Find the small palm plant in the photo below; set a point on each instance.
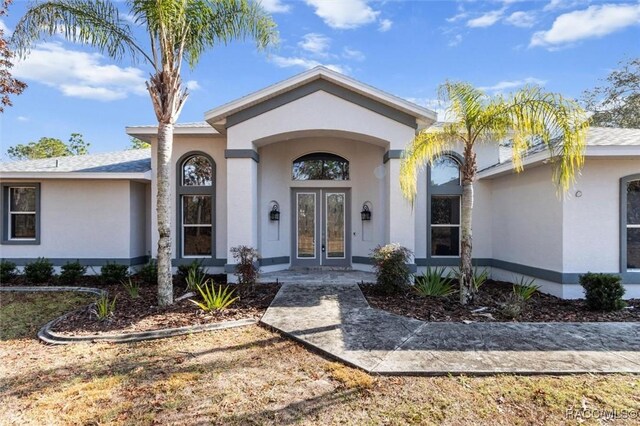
(196, 277)
(478, 279)
(132, 287)
(212, 299)
(104, 307)
(434, 283)
(525, 289)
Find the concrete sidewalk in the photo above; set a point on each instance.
(337, 320)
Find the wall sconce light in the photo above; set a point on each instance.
(365, 214)
(274, 214)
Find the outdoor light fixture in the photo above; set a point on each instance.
(274, 214)
(365, 214)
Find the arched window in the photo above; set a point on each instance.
(196, 197)
(445, 194)
(320, 166)
(630, 221)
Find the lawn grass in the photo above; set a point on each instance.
(22, 314)
(253, 376)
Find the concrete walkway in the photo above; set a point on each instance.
(337, 320)
(317, 276)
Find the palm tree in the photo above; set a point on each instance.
(178, 31)
(528, 117)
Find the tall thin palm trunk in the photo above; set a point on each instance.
(163, 211)
(467, 288)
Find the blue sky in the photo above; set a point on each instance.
(406, 48)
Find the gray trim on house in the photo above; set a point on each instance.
(365, 260)
(624, 182)
(93, 261)
(242, 153)
(394, 154)
(4, 226)
(326, 86)
(204, 261)
(281, 260)
(195, 190)
(532, 271)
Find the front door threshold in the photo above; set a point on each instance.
(320, 268)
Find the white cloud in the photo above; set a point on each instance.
(306, 63)
(353, 54)
(22, 118)
(457, 17)
(521, 19)
(595, 21)
(275, 6)
(80, 74)
(315, 43)
(344, 14)
(486, 20)
(456, 40)
(512, 84)
(193, 85)
(5, 29)
(561, 4)
(385, 25)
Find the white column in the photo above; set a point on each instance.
(400, 215)
(242, 206)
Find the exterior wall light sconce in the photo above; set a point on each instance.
(365, 214)
(274, 214)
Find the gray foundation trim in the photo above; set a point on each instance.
(624, 182)
(267, 261)
(532, 271)
(242, 153)
(96, 261)
(4, 228)
(362, 259)
(392, 154)
(326, 86)
(203, 261)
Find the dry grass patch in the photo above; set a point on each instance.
(253, 376)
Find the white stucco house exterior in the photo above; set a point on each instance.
(307, 172)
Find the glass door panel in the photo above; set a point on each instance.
(306, 225)
(335, 225)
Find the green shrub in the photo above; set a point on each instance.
(525, 289)
(39, 271)
(71, 272)
(603, 292)
(149, 272)
(183, 270)
(434, 283)
(479, 278)
(132, 287)
(246, 269)
(390, 264)
(104, 307)
(214, 300)
(112, 273)
(196, 277)
(8, 271)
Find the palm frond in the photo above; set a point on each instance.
(536, 116)
(466, 103)
(427, 146)
(94, 22)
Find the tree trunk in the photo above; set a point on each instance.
(163, 211)
(467, 288)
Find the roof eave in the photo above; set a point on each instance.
(217, 117)
(145, 176)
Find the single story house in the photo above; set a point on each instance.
(306, 171)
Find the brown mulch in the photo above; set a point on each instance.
(540, 308)
(143, 314)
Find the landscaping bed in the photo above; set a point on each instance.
(143, 313)
(539, 308)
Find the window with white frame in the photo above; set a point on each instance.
(21, 205)
(196, 192)
(445, 194)
(632, 224)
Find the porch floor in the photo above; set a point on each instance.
(317, 276)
